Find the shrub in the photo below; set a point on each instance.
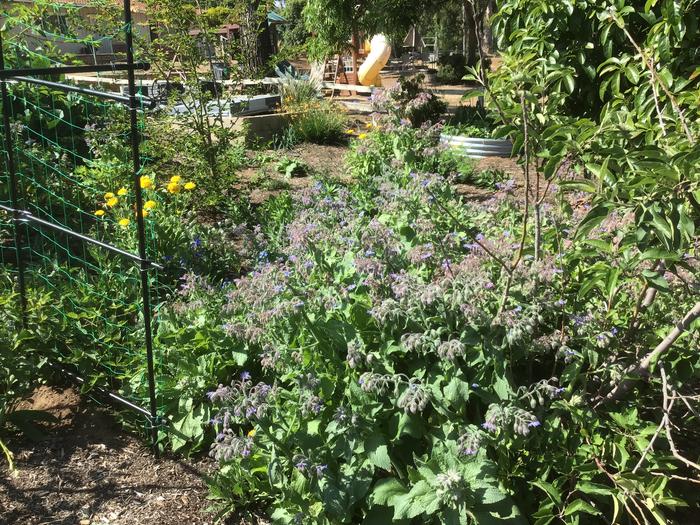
(408, 100)
(448, 75)
(320, 122)
(452, 68)
(376, 153)
(297, 89)
(21, 359)
(379, 341)
(399, 369)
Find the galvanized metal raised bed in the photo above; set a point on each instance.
(478, 148)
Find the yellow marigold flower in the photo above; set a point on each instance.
(100, 213)
(109, 195)
(251, 433)
(112, 202)
(122, 192)
(362, 136)
(124, 222)
(350, 132)
(190, 185)
(369, 125)
(149, 205)
(146, 182)
(176, 179)
(173, 187)
(144, 213)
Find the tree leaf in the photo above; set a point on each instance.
(581, 506)
(588, 487)
(549, 489)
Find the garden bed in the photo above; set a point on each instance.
(477, 147)
(377, 330)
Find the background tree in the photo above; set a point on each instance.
(602, 98)
(255, 45)
(294, 34)
(440, 20)
(337, 25)
(183, 54)
(583, 44)
(440, 23)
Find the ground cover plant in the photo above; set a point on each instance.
(408, 369)
(514, 393)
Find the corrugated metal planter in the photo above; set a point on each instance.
(478, 148)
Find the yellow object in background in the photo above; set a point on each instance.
(379, 54)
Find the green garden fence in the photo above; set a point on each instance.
(55, 239)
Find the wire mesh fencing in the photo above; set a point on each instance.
(75, 200)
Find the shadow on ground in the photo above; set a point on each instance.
(88, 470)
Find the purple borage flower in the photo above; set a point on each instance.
(490, 426)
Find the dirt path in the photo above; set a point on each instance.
(88, 471)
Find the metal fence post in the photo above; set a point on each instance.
(141, 227)
(14, 192)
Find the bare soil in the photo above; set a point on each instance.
(263, 182)
(89, 471)
(507, 165)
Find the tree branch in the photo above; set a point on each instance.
(668, 404)
(642, 367)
